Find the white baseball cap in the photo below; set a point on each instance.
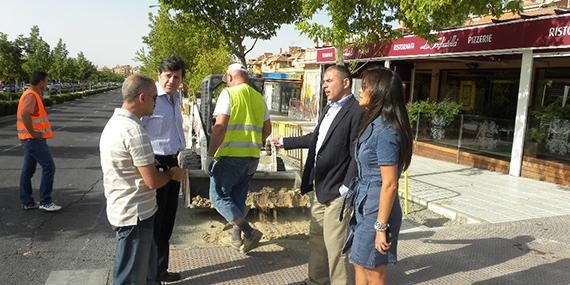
(236, 67)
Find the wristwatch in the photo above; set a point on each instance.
(381, 227)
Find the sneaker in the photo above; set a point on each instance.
(251, 242)
(51, 207)
(31, 206)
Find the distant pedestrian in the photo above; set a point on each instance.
(384, 149)
(242, 125)
(329, 170)
(130, 178)
(34, 129)
(164, 128)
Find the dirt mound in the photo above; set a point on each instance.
(268, 198)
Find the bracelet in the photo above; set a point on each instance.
(381, 227)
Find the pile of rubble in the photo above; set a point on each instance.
(266, 199)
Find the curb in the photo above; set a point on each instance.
(447, 212)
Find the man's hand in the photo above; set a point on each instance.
(177, 173)
(343, 190)
(276, 141)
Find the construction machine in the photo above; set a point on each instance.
(271, 187)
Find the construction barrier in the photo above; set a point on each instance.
(405, 190)
(282, 129)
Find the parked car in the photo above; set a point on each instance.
(54, 86)
(9, 88)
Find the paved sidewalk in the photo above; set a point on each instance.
(476, 195)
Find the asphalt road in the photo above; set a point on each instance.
(35, 245)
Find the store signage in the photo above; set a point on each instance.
(551, 33)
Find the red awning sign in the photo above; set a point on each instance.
(541, 33)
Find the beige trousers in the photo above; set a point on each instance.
(327, 264)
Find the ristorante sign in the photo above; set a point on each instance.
(536, 33)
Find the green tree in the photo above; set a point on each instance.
(211, 62)
(108, 76)
(192, 41)
(36, 52)
(236, 20)
(10, 60)
(71, 70)
(357, 22)
(84, 67)
(59, 61)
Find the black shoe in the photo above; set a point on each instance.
(169, 276)
(251, 242)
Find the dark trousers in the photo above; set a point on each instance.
(167, 200)
(135, 255)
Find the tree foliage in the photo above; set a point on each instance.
(236, 20)
(198, 45)
(21, 57)
(85, 69)
(357, 22)
(10, 59)
(36, 52)
(59, 61)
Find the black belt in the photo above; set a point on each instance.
(170, 160)
(166, 156)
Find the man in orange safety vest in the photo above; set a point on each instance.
(34, 129)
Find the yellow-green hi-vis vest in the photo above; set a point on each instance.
(244, 133)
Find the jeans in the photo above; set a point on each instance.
(135, 255)
(229, 184)
(36, 151)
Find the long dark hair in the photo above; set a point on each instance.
(386, 99)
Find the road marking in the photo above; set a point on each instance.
(10, 148)
(84, 277)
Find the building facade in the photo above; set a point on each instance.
(511, 79)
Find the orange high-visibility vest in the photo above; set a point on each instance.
(40, 121)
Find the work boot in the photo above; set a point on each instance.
(251, 242)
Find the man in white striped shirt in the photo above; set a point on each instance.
(130, 178)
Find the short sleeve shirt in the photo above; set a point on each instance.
(124, 146)
(379, 145)
(223, 105)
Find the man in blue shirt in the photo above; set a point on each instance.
(164, 128)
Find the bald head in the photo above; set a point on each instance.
(236, 77)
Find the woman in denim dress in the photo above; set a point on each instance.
(384, 149)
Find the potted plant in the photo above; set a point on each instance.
(535, 142)
(438, 114)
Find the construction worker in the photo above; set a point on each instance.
(242, 125)
(34, 129)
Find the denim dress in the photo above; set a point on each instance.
(379, 145)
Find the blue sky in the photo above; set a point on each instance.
(109, 32)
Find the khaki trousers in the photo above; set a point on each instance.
(327, 264)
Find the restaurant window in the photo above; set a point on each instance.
(548, 129)
(490, 93)
(422, 85)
